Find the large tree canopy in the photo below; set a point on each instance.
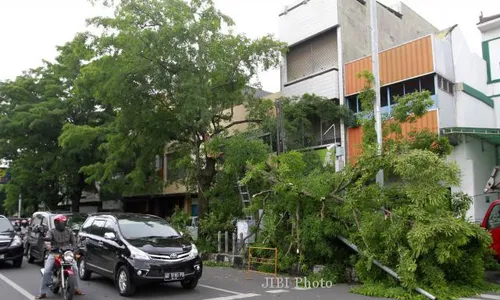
(34, 108)
(172, 70)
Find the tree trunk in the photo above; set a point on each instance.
(206, 180)
(77, 193)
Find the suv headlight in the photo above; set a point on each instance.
(194, 251)
(16, 241)
(138, 254)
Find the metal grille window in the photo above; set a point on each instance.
(446, 85)
(313, 56)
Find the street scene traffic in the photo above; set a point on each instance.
(233, 149)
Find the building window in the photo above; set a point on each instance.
(412, 86)
(352, 103)
(396, 90)
(312, 56)
(427, 84)
(384, 100)
(158, 162)
(446, 85)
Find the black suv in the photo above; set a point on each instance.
(137, 249)
(11, 245)
(41, 223)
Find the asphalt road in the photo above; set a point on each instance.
(216, 284)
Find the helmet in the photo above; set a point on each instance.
(60, 222)
(24, 223)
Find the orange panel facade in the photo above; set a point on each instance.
(355, 135)
(396, 64)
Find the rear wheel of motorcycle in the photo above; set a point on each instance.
(31, 259)
(123, 282)
(83, 272)
(69, 291)
(18, 262)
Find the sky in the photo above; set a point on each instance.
(31, 29)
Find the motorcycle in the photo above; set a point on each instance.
(63, 277)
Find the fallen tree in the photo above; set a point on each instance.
(412, 224)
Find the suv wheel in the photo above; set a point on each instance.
(123, 282)
(31, 259)
(83, 272)
(189, 284)
(18, 262)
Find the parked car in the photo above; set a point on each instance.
(41, 223)
(137, 249)
(11, 245)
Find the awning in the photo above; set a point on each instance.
(490, 135)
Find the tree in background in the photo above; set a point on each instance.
(34, 109)
(172, 70)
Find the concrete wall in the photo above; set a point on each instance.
(494, 47)
(354, 18)
(476, 160)
(447, 109)
(491, 34)
(325, 85)
(494, 90)
(471, 112)
(469, 67)
(307, 20)
(443, 59)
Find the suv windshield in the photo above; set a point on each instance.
(5, 226)
(146, 227)
(76, 221)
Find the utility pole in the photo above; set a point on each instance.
(375, 67)
(20, 205)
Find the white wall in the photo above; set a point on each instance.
(447, 109)
(495, 59)
(325, 85)
(469, 67)
(471, 112)
(443, 59)
(494, 89)
(492, 34)
(476, 160)
(307, 20)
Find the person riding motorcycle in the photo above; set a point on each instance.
(24, 226)
(60, 237)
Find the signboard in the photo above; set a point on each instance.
(243, 230)
(4, 176)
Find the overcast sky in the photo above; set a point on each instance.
(30, 29)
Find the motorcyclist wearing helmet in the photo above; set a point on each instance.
(60, 237)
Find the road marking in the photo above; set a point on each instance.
(240, 296)
(494, 297)
(277, 291)
(219, 289)
(16, 287)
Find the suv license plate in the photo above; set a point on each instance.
(174, 276)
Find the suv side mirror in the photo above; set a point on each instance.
(110, 236)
